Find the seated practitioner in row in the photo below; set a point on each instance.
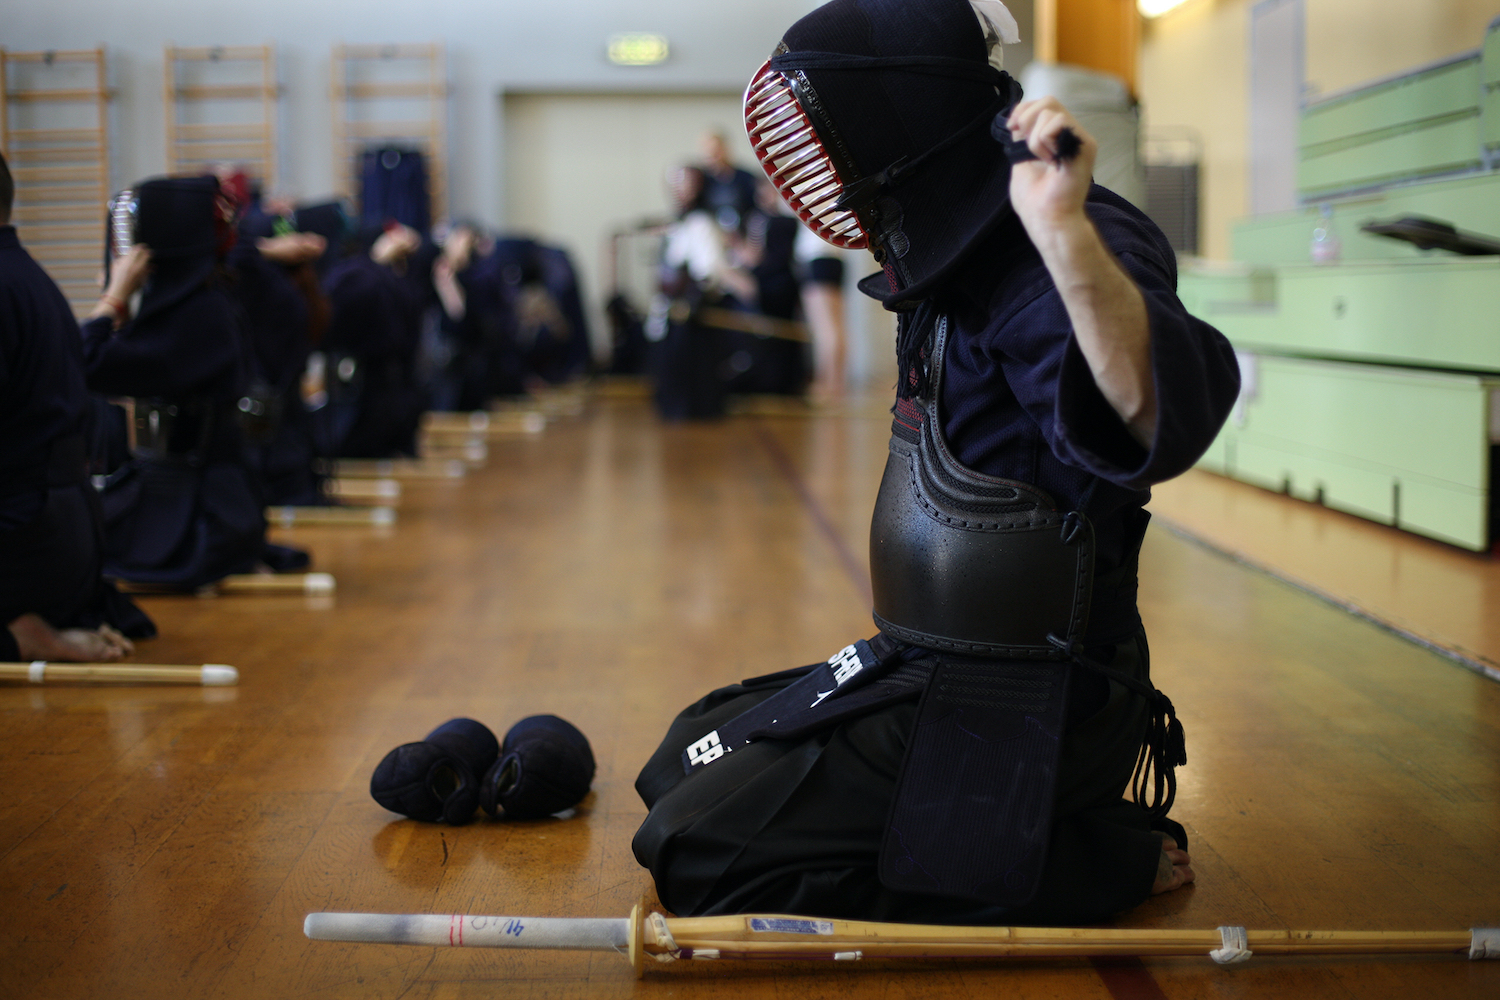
(511, 315)
(542, 330)
(277, 291)
(968, 764)
(469, 321)
(54, 603)
(185, 511)
(376, 294)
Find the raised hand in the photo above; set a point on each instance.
(1050, 191)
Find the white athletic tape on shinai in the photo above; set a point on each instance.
(37, 672)
(1484, 943)
(664, 937)
(1236, 947)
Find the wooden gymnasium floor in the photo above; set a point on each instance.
(166, 842)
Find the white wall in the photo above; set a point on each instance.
(493, 46)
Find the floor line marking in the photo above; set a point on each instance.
(783, 463)
(1464, 658)
(1127, 978)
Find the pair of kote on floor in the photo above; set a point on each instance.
(543, 766)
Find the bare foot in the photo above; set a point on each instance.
(1174, 870)
(38, 640)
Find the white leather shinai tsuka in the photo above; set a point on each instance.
(1236, 947)
(38, 671)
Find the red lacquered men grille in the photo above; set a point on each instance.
(794, 159)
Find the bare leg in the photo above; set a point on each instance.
(824, 307)
(38, 640)
(1174, 870)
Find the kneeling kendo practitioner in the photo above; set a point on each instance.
(277, 291)
(969, 763)
(54, 602)
(186, 510)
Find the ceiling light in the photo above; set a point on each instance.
(637, 49)
(1156, 8)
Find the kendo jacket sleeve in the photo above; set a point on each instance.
(1193, 367)
(192, 350)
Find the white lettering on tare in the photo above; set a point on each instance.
(706, 750)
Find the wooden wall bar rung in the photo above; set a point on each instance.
(28, 175)
(392, 130)
(355, 129)
(207, 151)
(55, 56)
(79, 276)
(219, 53)
(60, 233)
(53, 134)
(31, 194)
(57, 213)
(54, 94)
(79, 292)
(225, 92)
(195, 78)
(427, 51)
(54, 154)
(367, 90)
(69, 254)
(59, 164)
(255, 130)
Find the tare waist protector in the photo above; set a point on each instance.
(971, 563)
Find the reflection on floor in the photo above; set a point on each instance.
(1433, 592)
(167, 842)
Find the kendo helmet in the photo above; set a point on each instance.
(872, 119)
(188, 222)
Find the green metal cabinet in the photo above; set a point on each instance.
(1432, 314)
(1471, 203)
(1398, 446)
(1420, 124)
(1372, 384)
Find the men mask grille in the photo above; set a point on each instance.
(795, 160)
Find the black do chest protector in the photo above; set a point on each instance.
(991, 569)
(970, 563)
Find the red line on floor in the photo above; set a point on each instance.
(783, 463)
(1127, 979)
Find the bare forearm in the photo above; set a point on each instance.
(127, 275)
(1108, 316)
